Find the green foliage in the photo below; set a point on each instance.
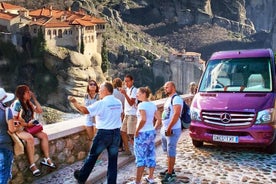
(10, 59)
(105, 61)
(38, 45)
(82, 46)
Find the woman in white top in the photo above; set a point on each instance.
(91, 97)
(144, 138)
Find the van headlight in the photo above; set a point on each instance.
(264, 116)
(195, 114)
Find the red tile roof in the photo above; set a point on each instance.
(7, 16)
(7, 6)
(64, 18)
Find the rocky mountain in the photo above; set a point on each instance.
(140, 36)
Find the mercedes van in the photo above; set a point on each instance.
(235, 102)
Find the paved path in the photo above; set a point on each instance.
(208, 165)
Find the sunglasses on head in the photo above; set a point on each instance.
(92, 84)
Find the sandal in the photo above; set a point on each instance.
(36, 172)
(46, 163)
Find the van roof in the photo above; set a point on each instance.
(250, 53)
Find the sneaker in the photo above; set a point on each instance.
(163, 173)
(149, 180)
(168, 178)
(76, 175)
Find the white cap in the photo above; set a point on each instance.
(5, 97)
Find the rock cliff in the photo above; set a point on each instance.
(72, 71)
(261, 13)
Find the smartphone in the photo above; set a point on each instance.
(166, 134)
(16, 123)
(35, 122)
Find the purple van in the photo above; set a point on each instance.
(235, 102)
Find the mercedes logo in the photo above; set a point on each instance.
(225, 118)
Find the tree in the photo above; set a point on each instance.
(105, 61)
(38, 45)
(82, 45)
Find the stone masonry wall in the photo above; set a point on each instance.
(63, 151)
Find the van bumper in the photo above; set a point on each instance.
(256, 135)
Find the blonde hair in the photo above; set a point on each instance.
(145, 90)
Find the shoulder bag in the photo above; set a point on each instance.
(18, 147)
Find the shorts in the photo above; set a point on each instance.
(144, 149)
(129, 124)
(169, 143)
(6, 160)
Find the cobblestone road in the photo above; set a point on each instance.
(208, 165)
(212, 165)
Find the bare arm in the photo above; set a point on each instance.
(130, 101)
(82, 109)
(157, 116)
(38, 108)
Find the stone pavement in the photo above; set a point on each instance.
(207, 165)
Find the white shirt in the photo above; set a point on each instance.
(107, 112)
(88, 101)
(168, 112)
(119, 95)
(150, 109)
(130, 110)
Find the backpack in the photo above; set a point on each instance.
(185, 115)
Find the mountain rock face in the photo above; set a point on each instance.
(262, 13)
(225, 13)
(72, 71)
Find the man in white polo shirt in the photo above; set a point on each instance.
(107, 112)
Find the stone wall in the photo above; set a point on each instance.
(68, 143)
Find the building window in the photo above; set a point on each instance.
(60, 33)
(65, 31)
(49, 32)
(55, 32)
(70, 32)
(35, 30)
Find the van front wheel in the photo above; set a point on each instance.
(197, 143)
(271, 149)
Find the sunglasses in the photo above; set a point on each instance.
(92, 84)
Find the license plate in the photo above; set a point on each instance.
(226, 138)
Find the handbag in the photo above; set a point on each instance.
(18, 147)
(34, 129)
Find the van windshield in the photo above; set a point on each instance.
(237, 75)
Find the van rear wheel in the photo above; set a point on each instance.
(197, 143)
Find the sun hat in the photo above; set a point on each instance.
(5, 97)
